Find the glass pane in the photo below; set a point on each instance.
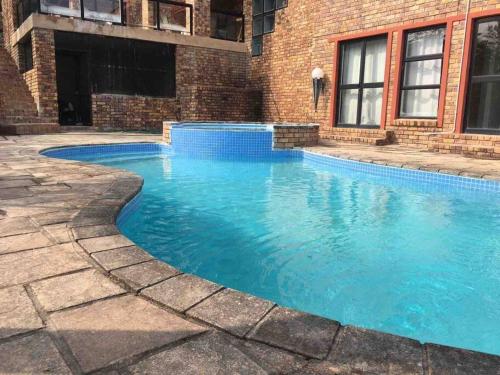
(258, 25)
(269, 23)
(348, 106)
(269, 5)
(425, 72)
(281, 4)
(487, 48)
(174, 18)
(61, 7)
(425, 42)
(257, 46)
(483, 108)
(371, 106)
(419, 103)
(258, 6)
(102, 10)
(375, 60)
(351, 62)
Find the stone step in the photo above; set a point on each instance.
(355, 139)
(469, 149)
(25, 129)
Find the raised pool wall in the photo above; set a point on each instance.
(284, 136)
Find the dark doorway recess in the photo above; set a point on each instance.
(73, 89)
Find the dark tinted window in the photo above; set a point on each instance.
(483, 111)
(124, 66)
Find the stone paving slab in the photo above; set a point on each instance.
(232, 311)
(181, 292)
(59, 232)
(56, 217)
(145, 274)
(296, 331)
(21, 242)
(444, 360)
(108, 331)
(35, 354)
(94, 231)
(93, 245)
(17, 313)
(359, 350)
(209, 354)
(21, 225)
(31, 265)
(122, 257)
(74, 289)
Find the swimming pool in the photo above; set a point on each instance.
(401, 251)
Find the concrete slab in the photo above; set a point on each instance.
(296, 331)
(209, 354)
(232, 311)
(26, 241)
(19, 225)
(17, 313)
(37, 264)
(109, 331)
(35, 354)
(450, 361)
(144, 274)
(70, 290)
(94, 231)
(364, 351)
(125, 256)
(93, 245)
(181, 292)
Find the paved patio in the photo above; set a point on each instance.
(78, 297)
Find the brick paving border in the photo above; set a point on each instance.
(78, 297)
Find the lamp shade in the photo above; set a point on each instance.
(318, 73)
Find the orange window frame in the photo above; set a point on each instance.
(467, 59)
(336, 69)
(396, 96)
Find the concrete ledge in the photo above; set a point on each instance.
(58, 23)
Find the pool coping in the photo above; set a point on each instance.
(277, 327)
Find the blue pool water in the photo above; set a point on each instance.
(408, 253)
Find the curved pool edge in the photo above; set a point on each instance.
(268, 324)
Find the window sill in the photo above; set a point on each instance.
(421, 123)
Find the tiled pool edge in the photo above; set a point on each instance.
(131, 192)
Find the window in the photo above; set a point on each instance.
(263, 21)
(361, 82)
(421, 79)
(25, 56)
(483, 111)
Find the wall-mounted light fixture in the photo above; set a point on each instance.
(318, 77)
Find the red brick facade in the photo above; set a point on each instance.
(306, 35)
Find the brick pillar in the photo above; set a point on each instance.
(201, 17)
(44, 89)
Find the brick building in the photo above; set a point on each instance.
(420, 73)
(423, 73)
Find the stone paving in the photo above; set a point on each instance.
(78, 297)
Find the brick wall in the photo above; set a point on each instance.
(131, 112)
(301, 42)
(290, 136)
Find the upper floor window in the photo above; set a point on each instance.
(421, 79)
(263, 21)
(361, 82)
(483, 111)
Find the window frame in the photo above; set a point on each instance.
(404, 60)
(263, 15)
(361, 85)
(470, 76)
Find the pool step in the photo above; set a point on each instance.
(375, 137)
